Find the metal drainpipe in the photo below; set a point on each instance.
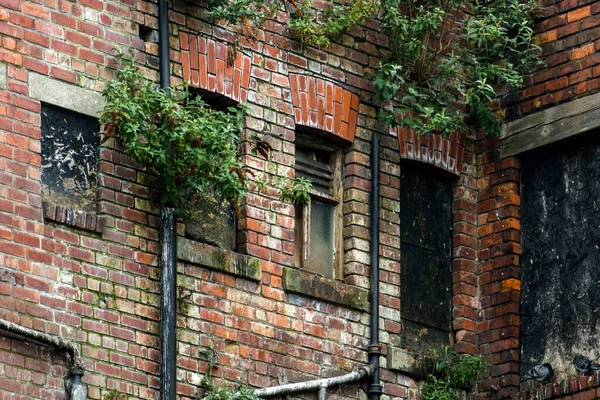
(375, 388)
(168, 244)
(318, 384)
(74, 387)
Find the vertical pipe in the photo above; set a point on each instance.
(323, 392)
(375, 388)
(77, 391)
(163, 43)
(168, 244)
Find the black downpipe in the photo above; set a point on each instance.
(168, 244)
(375, 388)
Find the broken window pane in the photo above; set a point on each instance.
(69, 157)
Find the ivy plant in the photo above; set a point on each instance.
(451, 372)
(189, 146)
(448, 54)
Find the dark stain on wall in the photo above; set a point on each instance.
(560, 208)
(426, 240)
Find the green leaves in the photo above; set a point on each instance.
(444, 55)
(295, 190)
(313, 28)
(451, 372)
(148, 120)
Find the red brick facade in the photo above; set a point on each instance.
(94, 278)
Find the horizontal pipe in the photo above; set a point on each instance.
(317, 384)
(56, 342)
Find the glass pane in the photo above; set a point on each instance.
(322, 228)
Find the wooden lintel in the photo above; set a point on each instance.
(550, 125)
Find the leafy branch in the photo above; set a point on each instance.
(189, 146)
(448, 54)
(451, 372)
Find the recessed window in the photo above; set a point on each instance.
(318, 232)
(69, 158)
(425, 252)
(212, 218)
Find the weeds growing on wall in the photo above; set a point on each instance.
(210, 391)
(308, 25)
(451, 372)
(449, 58)
(448, 54)
(190, 147)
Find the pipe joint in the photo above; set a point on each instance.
(375, 349)
(375, 390)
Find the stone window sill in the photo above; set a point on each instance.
(75, 218)
(330, 290)
(411, 364)
(208, 256)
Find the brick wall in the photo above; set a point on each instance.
(568, 34)
(100, 287)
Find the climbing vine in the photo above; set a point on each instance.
(188, 145)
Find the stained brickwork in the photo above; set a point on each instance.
(96, 281)
(568, 34)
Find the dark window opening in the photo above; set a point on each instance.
(215, 101)
(69, 149)
(425, 248)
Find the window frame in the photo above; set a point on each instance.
(303, 219)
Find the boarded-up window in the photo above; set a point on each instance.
(426, 239)
(69, 157)
(560, 222)
(318, 223)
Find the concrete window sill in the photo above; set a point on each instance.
(330, 290)
(208, 256)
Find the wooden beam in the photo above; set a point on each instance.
(550, 125)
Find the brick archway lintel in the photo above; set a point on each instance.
(445, 152)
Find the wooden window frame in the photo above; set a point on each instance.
(303, 223)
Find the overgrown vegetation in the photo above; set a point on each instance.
(449, 58)
(451, 372)
(189, 146)
(308, 25)
(448, 53)
(210, 391)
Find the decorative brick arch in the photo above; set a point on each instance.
(204, 64)
(441, 151)
(325, 106)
